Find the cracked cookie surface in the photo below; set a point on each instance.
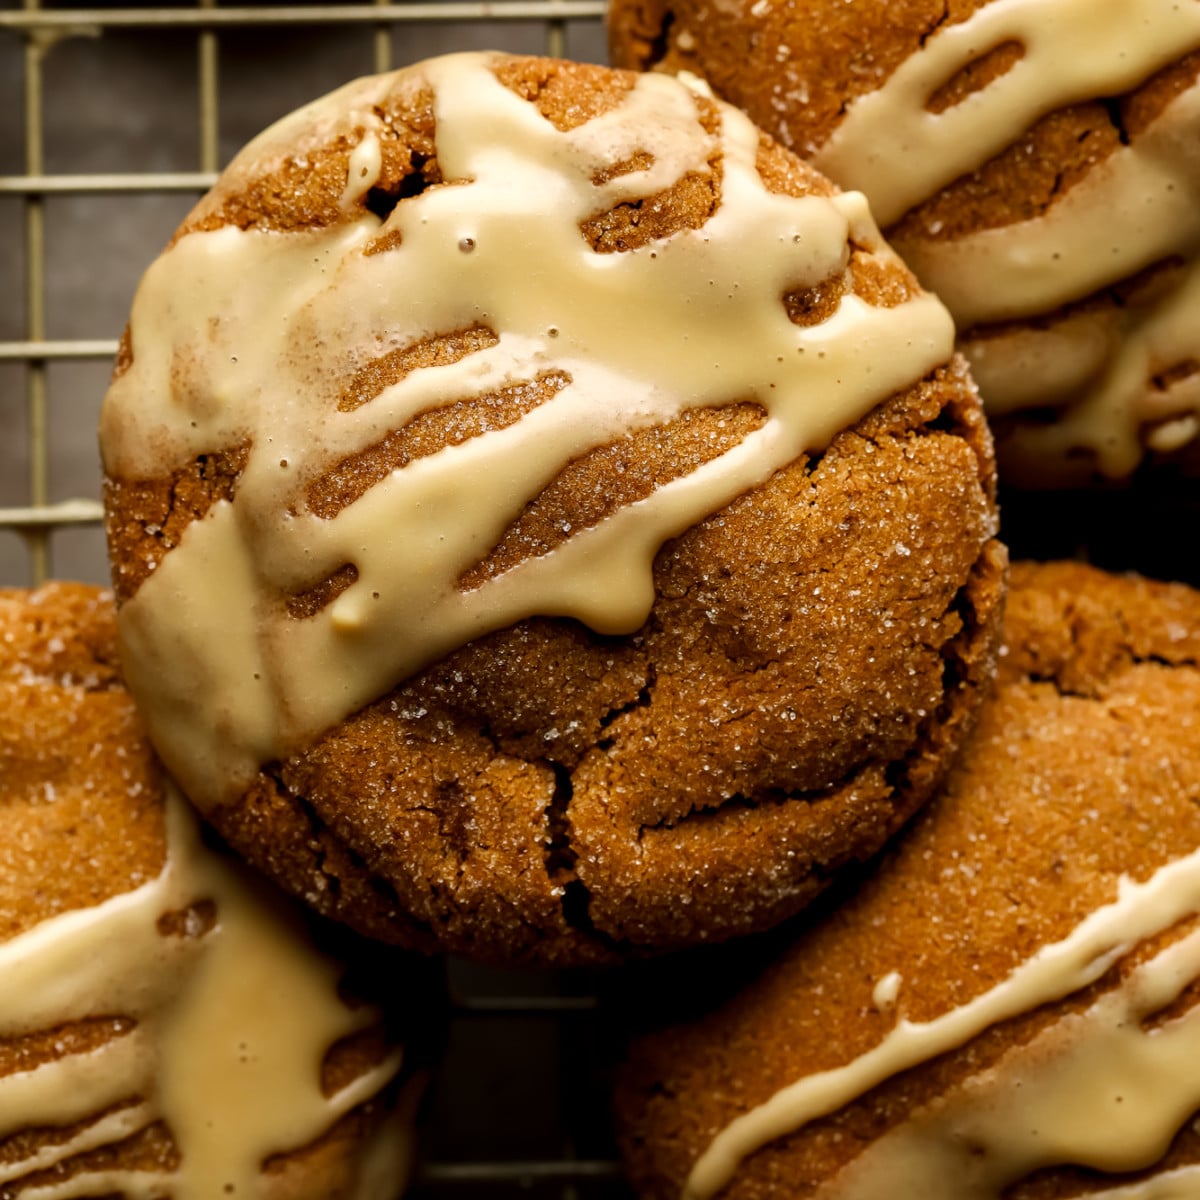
(815, 649)
(547, 795)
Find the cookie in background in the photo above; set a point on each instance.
(1037, 164)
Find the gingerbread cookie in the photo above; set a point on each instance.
(550, 524)
(1007, 1007)
(166, 1023)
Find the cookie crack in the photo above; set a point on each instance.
(660, 43)
(962, 670)
(560, 859)
(740, 801)
(382, 200)
(643, 699)
(333, 883)
(959, 671)
(1128, 657)
(1112, 107)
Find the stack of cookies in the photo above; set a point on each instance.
(549, 525)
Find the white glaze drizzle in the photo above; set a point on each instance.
(1097, 1089)
(1121, 404)
(886, 991)
(231, 1031)
(1058, 970)
(890, 146)
(1136, 208)
(362, 173)
(258, 324)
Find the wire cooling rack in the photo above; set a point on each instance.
(112, 122)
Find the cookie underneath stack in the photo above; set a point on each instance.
(1008, 1005)
(167, 1025)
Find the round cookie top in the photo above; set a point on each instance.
(164, 1021)
(1034, 161)
(406, 416)
(1002, 1008)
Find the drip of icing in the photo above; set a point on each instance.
(892, 147)
(1175, 433)
(362, 173)
(1140, 911)
(886, 991)
(1123, 399)
(232, 1027)
(1098, 1089)
(237, 334)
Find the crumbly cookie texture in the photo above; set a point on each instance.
(1001, 1008)
(1034, 163)
(164, 1022)
(602, 557)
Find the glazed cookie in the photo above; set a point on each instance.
(550, 525)
(166, 1025)
(1037, 163)
(1008, 1006)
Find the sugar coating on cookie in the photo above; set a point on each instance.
(1003, 1009)
(445, 361)
(164, 1021)
(1034, 161)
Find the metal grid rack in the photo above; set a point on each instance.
(112, 122)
